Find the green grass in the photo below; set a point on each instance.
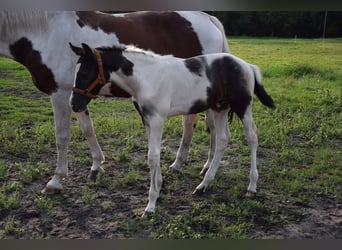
(299, 155)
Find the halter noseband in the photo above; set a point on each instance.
(99, 80)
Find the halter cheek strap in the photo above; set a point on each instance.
(99, 80)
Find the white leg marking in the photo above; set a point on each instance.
(189, 122)
(252, 138)
(88, 130)
(62, 114)
(222, 138)
(154, 127)
(209, 118)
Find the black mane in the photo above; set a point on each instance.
(114, 48)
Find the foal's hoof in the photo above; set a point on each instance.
(199, 191)
(92, 175)
(146, 214)
(51, 190)
(175, 167)
(250, 194)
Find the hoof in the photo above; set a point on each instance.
(53, 186)
(250, 194)
(147, 214)
(92, 175)
(175, 167)
(51, 190)
(199, 191)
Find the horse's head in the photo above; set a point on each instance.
(93, 72)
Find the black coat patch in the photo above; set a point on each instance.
(136, 105)
(228, 88)
(114, 60)
(145, 110)
(198, 106)
(194, 65)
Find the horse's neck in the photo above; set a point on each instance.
(146, 58)
(148, 70)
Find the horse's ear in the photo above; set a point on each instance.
(87, 50)
(77, 50)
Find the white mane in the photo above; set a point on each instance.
(145, 54)
(12, 22)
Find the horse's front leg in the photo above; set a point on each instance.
(96, 152)
(222, 138)
(154, 127)
(189, 122)
(62, 114)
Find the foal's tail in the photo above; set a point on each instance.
(259, 90)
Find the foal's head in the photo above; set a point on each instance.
(93, 72)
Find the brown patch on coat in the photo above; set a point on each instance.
(161, 32)
(42, 76)
(118, 92)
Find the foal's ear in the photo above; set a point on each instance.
(77, 50)
(87, 50)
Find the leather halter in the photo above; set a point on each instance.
(99, 80)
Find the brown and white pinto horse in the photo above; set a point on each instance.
(164, 86)
(40, 41)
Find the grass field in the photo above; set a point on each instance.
(299, 160)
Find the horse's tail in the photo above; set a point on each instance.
(219, 25)
(259, 90)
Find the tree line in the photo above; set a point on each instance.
(281, 23)
(287, 24)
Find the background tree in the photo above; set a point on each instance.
(280, 23)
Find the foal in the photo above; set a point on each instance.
(164, 86)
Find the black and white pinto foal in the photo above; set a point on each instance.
(164, 86)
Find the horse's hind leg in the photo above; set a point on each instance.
(62, 114)
(222, 138)
(189, 122)
(209, 118)
(96, 152)
(252, 138)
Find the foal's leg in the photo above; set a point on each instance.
(222, 138)
(252, 138)
(96, 152)
(62, 114)
(154, 126)
(189, 122)
(209, 118)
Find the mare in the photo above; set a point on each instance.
(40, 41)
(164, 86)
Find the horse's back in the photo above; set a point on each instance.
(209, 29)
(162, 31)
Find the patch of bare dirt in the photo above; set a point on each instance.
(73, 218)
(321, 221)
(70, 217)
